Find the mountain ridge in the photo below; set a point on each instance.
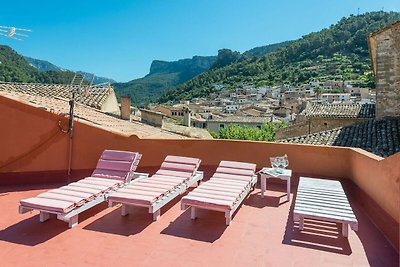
(44, 65)
(338, 52)
(163, 75)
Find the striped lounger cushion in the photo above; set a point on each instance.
(222, 192)
(112, 170)
(173, 173)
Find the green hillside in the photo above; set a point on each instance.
(14, 68)
(163, 75)
(339, 52)
(265, 49)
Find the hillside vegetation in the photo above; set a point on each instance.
(14, 68)
(339, 52)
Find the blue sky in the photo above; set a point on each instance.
(119, 39)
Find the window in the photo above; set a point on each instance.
(259, 126)
(222, 126)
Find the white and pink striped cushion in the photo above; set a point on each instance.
(230, 181)
(112, 170)
(114, 164)
(48, 204)
(174, 172)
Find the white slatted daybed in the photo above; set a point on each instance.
(323, 199)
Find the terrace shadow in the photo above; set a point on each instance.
(317, 234)
(275, 196)
(113, 223)
(32, 232)
(136, 221)
(208, 226)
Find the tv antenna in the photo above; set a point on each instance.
(13, 33)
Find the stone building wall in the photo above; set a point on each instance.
(388, 72)
(152, 117)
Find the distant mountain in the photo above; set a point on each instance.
(339, 52)
(162, 76)
(97, 79)
(43, 65)
(265, 49)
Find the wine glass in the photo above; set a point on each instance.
(274, 163)
(285, 161)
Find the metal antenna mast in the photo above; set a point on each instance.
(78, 80)
(13, 33)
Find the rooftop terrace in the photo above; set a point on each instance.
(262, 234)
(34, 158)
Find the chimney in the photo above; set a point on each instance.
(125, 107)
(186, 117)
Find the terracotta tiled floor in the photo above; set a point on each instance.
(262, 233)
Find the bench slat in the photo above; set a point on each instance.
(323, 204)
(324, 210)
(320, 196)
(324, 200)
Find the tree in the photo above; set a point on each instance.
(318, 91)
(234, 131)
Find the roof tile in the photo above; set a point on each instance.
(340, 110)
(381, 137)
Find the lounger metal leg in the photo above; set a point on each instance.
(228, 217)
(73, 221)
(301, 224)
(124, 210)
(44, 216)
(192, 213)
(156, 215)
(23, 210)
(263, 184)
(345, 230)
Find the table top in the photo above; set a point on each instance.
(273, 172)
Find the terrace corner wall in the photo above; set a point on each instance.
(379, 179)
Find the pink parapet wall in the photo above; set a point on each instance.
(32, 143)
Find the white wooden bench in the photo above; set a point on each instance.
(323, 199)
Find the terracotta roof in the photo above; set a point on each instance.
(340, 110)
(251, 112)
(381, 137)
(91, 116)
(93, 96)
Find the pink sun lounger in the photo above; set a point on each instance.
(225, 190)
(114, 170)
(174, 177)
